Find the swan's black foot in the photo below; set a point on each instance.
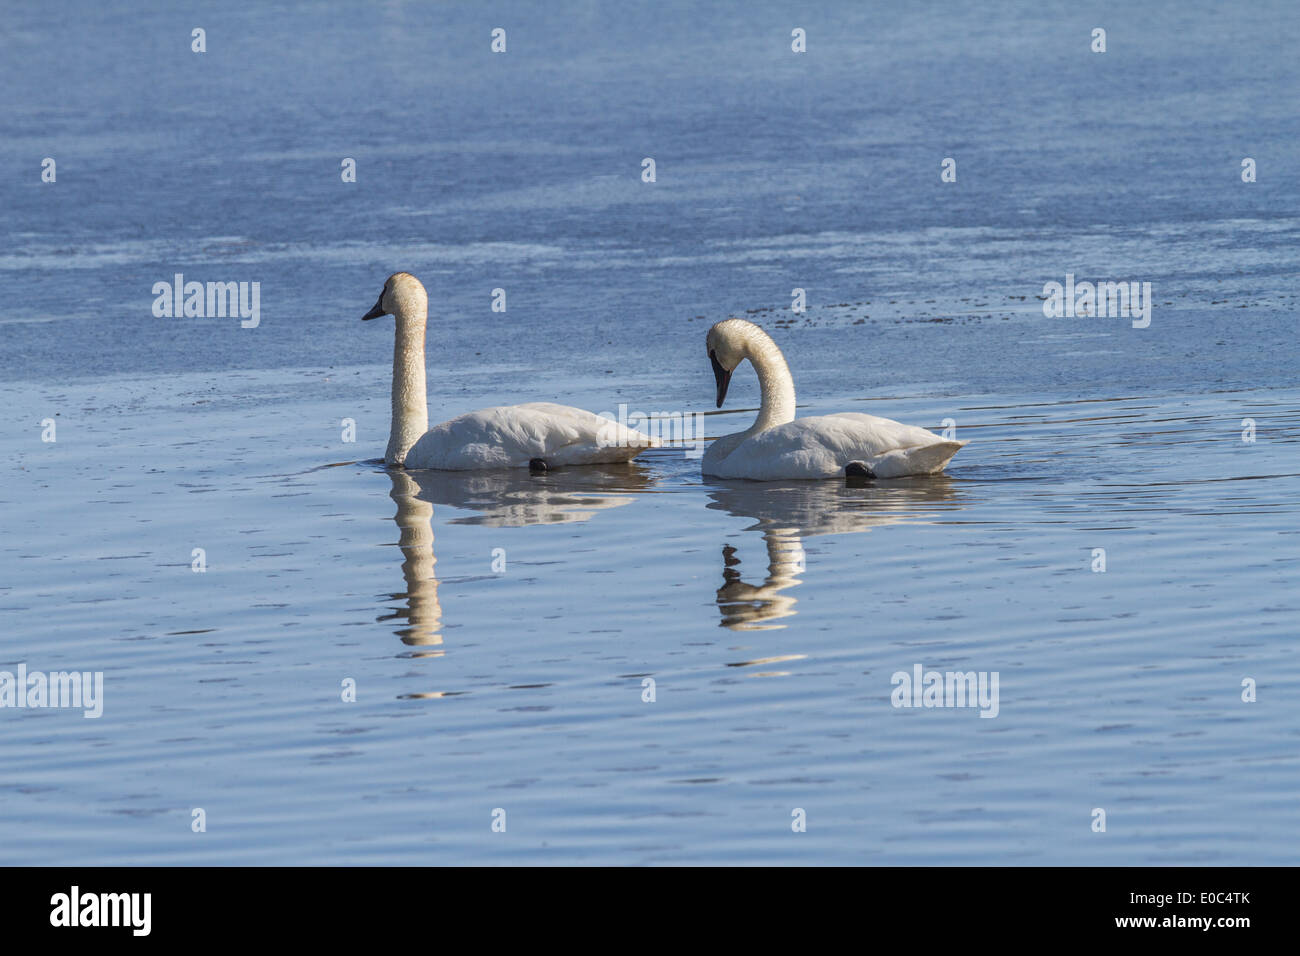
(856, 473)
(538, 466)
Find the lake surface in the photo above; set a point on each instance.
(499, 630)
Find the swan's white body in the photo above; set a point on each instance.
(506, 436)
(510, 436)
(823, 446)
(778, 446)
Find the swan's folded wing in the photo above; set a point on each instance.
(580, 426)
(509, 436)
(821, 447)
(874, 433)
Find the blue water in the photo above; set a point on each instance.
(499, 628)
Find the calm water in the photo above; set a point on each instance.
(499, 628)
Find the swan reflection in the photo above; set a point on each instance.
(421, 611)
(504, 499)
(787, 512)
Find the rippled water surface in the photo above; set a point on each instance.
(500, 630)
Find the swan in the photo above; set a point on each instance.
(778, 447)
(538, 435)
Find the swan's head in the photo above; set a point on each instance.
(729, 344)
(403, 294)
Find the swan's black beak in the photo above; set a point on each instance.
(722, 376)
(377, 311)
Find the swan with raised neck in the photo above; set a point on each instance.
(778, 446)
(536, 435)
(405, 299)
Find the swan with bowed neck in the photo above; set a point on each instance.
(778, 446)
(506, 436)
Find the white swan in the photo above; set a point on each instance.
(777, 446)
(538, 435)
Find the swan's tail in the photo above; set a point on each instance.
(918, 460)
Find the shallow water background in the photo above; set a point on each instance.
(771, 617)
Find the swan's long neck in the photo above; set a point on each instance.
(774, 382)
(410, 406)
